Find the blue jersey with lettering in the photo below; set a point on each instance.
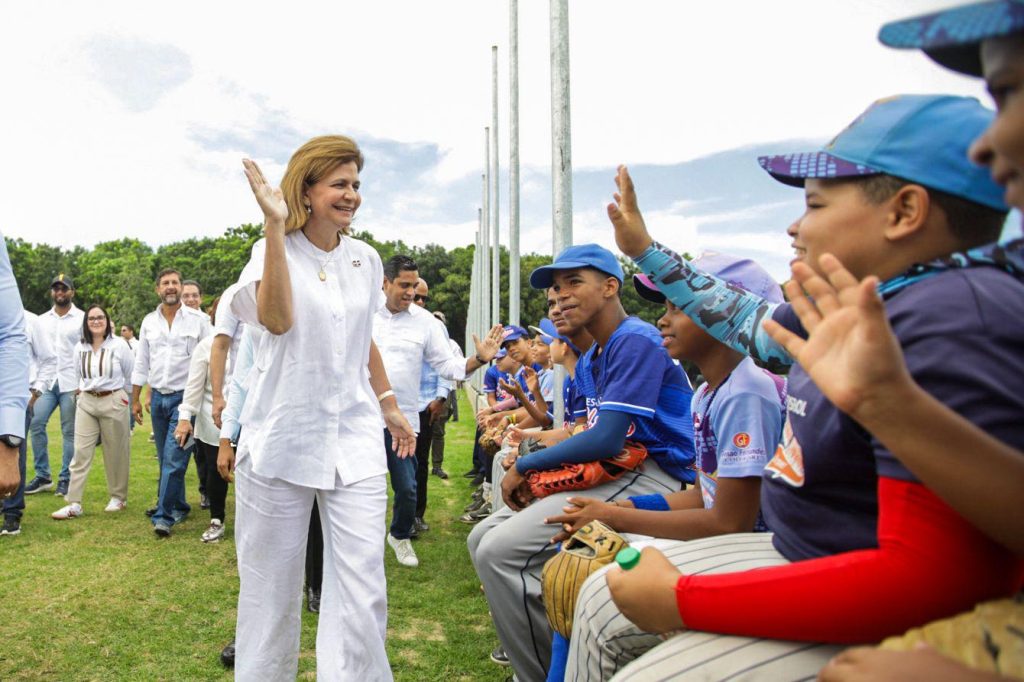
(634, 374)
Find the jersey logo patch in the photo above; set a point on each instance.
(788, 462)
(741, 440)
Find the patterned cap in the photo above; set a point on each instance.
(920, 138)
(953, 37)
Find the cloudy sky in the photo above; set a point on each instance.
(131, 118)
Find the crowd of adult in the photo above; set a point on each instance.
(841, 475)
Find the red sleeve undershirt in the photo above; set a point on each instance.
(930, 564)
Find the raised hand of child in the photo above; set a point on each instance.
(578, 512)
(850, 352)
(631, 234)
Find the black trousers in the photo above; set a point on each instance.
(215, 487)
(423, 439)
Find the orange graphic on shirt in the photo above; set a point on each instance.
(741, 440)
(788, 462)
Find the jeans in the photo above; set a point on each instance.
(403, 482)
(171, 504)
(44, 407)
(14, 506)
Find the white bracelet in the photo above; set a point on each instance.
(386, 394)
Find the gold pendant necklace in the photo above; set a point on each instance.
(323, 266)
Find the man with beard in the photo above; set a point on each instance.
(62, 325)
(167, 338)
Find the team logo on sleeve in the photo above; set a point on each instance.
(741, 440)
(788, 462)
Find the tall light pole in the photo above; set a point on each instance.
(513, 162)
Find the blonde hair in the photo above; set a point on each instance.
(308, 165)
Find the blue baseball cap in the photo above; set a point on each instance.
(513, 332)
(741, 272)
(547, 332)
(920, 138)
(575, 257)
(500, 354)
(953, 37)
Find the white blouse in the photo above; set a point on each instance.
(310, 415)
(106, 369)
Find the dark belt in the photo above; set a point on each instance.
(99, 394)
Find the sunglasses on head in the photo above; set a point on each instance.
(420, 297)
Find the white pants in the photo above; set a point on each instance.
(271, 526)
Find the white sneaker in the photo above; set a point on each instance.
(69, 511)
(404, 552)
(214, 533)
(115, 505)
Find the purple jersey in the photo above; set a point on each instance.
(962, 334)
(736, 427)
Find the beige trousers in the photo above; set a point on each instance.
(105, 417)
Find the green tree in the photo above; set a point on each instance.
(118, 276)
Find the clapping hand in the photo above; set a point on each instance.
(631, 234)
(532, 380)
(850, 352)
(270, 199)
(514, 389)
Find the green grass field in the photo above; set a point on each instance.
(100, 597)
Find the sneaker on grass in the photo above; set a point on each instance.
(12, 526)
(500, 657)
(404, 552)
(62, 488)
(162, 530)
(38, 485)
(214, 533)
(68, 511)
(115, 505)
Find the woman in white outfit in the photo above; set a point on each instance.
(311, 425)
(104, 365)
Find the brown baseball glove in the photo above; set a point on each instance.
(586, 475)
(590, 548)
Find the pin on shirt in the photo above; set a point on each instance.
(356, 263)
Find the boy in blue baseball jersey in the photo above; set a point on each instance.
(634, 391)
(737, 422)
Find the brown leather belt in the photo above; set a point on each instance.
(99, 394)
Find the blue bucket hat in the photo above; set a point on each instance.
(953, 37)
(575, 257)
(920, 138)
(741, 272)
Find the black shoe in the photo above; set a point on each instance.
(500, 657)
(440, 473)
(151, 511)
(470, 474)
(312, 600)
(414, 533)
(38, 485)
(62, 488)
(479, 480)
(12, 526)
(420, 525)
(227, 655)
(162, 530)
(204, 501)
(476, 504)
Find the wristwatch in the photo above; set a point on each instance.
(11, 441)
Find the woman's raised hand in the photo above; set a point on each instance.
(270, 199)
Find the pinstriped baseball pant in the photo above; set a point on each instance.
(606, 645)
(509, 550)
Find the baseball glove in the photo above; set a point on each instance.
(588, 474)
(490, 440)
(590, 548)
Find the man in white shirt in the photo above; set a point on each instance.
(128, 334)
(167, 338)
(42, 370)
(407, 336)
(62, 325)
